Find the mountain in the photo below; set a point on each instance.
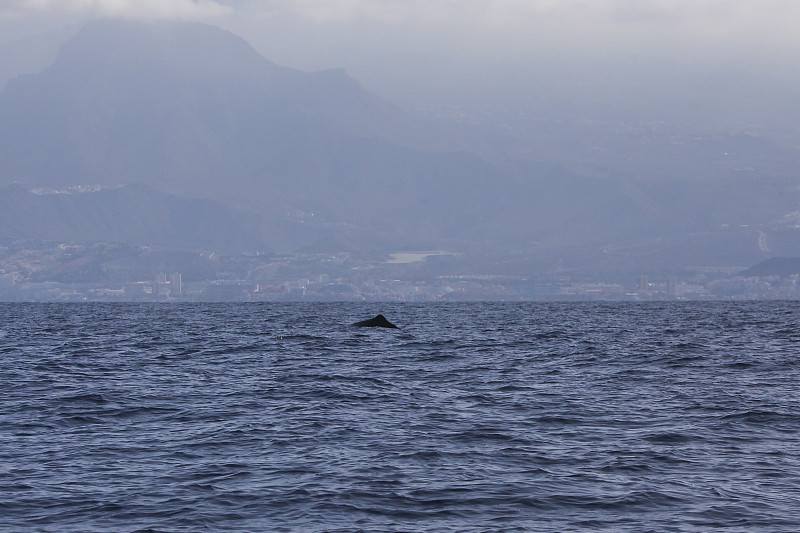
(132, 214)
(189, 138)
(32, 54)
(775, 266)
(134, 100)
(192, 110)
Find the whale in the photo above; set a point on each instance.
(377, 322)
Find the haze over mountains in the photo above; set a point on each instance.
(180, 134)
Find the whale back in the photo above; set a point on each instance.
(377, 322)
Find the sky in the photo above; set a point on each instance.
(429, 52)
(496, 23)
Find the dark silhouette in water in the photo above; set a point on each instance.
(377, 322)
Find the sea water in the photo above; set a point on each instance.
(471, 417)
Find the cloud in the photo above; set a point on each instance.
(143, 8)
(771, 20)
(728, 17)
(315, 34)
(517, 27)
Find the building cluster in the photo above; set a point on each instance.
(103, 272)
(172, 288)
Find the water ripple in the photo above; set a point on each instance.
(472, 418)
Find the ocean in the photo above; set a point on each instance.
(473, 417)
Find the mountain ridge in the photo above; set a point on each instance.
(133, 214)
(313, 160)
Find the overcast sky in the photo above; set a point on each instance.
(429, 48)
(765, 23)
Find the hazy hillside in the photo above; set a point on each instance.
(207, 129)
(133, 214)
(32, 54)
(192, 110)
(130, 100)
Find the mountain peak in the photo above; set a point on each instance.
(190, 48)
(193, 111)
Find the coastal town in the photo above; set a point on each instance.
(102, 272)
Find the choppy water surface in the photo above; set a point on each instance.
(472, 417)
